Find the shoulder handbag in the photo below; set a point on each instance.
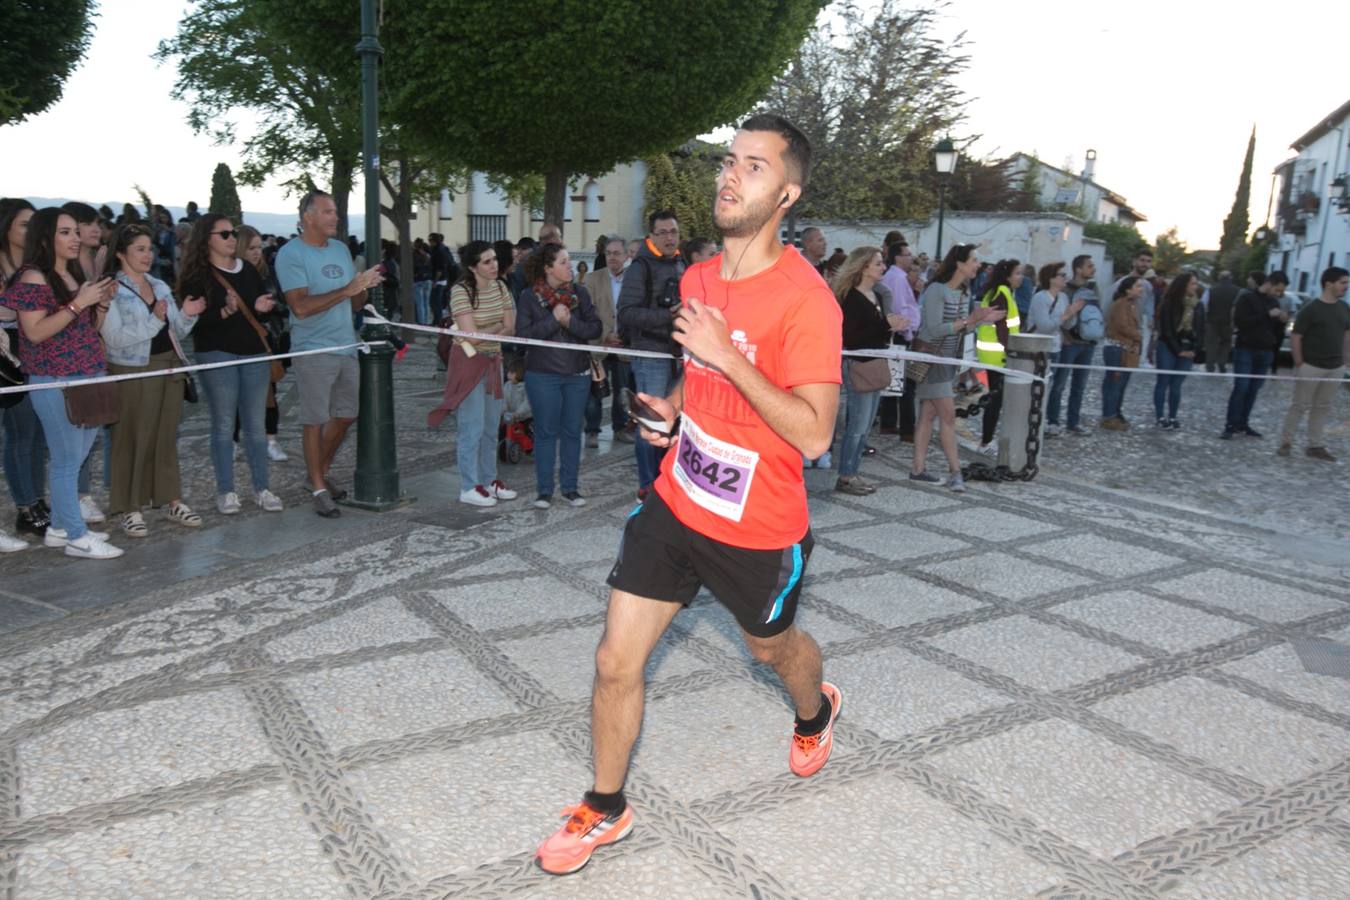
(599, 381)
(918, 369)
(92, 405)
(869, 374)
(11, 373)
(189, 383)
(278, 370)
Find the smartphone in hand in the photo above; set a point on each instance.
(642, 413)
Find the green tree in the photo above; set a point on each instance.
(493, 98)
(1122, 242)
(874, 89)
(295, 70)
(411, 177)
(225, 196)
(45, 41)
(684, 181)
(1233, 244)
(1172, 255)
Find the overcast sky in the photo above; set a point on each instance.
(1165, 92)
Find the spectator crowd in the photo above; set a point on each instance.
(88, 294)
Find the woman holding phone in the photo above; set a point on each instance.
(59, 318)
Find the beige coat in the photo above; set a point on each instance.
(602, 298)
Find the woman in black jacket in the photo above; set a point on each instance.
(1181, 332)
(553, 307)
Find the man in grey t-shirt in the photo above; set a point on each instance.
(323, 292)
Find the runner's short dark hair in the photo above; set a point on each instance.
(1276, 277)
(798, 155)
(1335, 273)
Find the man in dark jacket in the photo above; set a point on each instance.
(1259, 323)
(648, 302)
(1219, 336)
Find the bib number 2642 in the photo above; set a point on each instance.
(714, 474)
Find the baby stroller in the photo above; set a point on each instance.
(514, 440)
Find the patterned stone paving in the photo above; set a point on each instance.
(1055, 690)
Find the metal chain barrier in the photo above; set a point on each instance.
(981, 471)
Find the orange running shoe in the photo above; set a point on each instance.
(570, 847)
(809, 752)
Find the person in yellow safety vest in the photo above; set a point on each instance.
(991, 339)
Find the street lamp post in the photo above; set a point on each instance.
(944, 160)
(376, 481)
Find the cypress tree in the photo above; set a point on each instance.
(1233, 244)
(225, 196)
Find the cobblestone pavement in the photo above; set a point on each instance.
(1082, 686)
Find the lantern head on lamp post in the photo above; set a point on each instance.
(1336, 194)
(944, 160)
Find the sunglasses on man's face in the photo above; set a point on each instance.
(225, 235)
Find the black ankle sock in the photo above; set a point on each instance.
(807, 727)
(609, 804)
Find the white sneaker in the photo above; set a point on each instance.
(11, 544)
(90, 547)
(56, 537)
(990, 449)
(89, 510)
(477, 496)
(824, 462)
(275, 453)
(501, 491)
(228, 504)
(1052, 431)
(268, 501)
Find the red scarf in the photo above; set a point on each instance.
(565, 295)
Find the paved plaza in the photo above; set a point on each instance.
(1090, 685)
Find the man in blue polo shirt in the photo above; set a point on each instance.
(323, 291)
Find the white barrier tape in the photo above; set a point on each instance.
(1012, 374)
(362, 346)
(1188, 372)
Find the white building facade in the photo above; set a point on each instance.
(1312, 224)
(1060, 189)
(609, 205)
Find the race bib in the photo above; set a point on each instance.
(714, 474)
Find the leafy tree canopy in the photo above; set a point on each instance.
(874, 88)
(651, 75)
(1122, 242)
(684, 181)
(45, 41)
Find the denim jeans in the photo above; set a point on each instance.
(1113, 383)
(1243, 397)
(617, 372)
(86, 483)
(653, 378)
(25, 453)
(1074, 355)
(559, 404)
(438, 295)
(422, 302)
(69, 445)
(476, 422)
(860, 410)
(1167, 389)
(241, 391)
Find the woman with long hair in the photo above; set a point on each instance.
(25, 457)
(142, 332)
(59, 318)
(228, 331)
(991, 340)
(554, 308)
(479, 302)
(1120, 348)
(249, 247)
(865, 328)
(1181, 332)
(944, 323)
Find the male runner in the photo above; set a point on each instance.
(762, 338)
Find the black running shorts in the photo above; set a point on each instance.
(662, 559)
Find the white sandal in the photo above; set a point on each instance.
(183, 515)
(133, 525)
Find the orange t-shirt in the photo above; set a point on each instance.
(730, 476)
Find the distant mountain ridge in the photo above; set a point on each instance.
(266, 222)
